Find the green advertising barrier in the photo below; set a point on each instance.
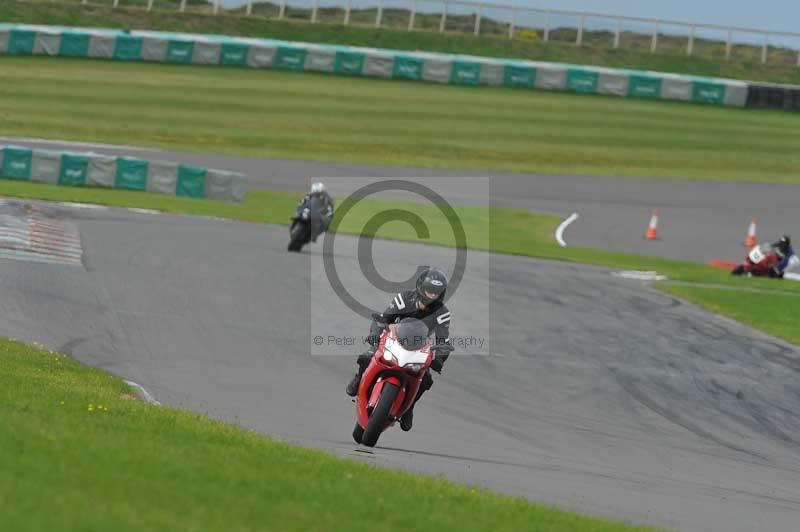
(20, 42)
(644, 86)
(97, 170)
(459, 70)
(179, 51)
(519, 76)
(290, 58)
(407, 67)
(349, 63)
(707, 92)
(131, 174)
(234, 54)
(465, 73)
(128, 48)
(191, 182)
(17, 163)
(73, 170)
(74, 45)
(580, 80)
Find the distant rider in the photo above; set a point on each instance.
(425, 303)
(783, 248)
(318, 194)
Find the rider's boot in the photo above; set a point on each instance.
(407, 420)
(363, 362)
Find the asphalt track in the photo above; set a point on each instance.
(700, 220)
(600, 394)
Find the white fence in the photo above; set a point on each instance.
(551, 25)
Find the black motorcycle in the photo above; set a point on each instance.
(307, 224)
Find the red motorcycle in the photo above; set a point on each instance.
(391, 381)
(760, 262)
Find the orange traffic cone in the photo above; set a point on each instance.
(652, 229)
(750, 239)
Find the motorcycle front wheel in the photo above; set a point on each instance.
(358, 433)
(298, 236)
(380, 415)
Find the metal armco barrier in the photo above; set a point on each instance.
(93, 169)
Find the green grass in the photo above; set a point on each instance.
(509, 231)
(357, 120)
(80, 454)
(596, 50)
(775, 314)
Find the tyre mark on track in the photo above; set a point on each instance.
(638, 395)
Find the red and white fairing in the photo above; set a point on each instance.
(392, 363)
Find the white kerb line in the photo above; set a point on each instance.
(145, 395)
(562, 227)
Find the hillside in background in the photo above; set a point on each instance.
(709, 58)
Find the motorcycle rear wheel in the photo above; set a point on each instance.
(380, 415)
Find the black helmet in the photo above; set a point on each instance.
(431, 285)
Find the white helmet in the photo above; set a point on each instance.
(317, 188)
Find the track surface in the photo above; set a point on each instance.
(700, 220)
(601, 395)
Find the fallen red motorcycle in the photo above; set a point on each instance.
(760, 262)
(391, 381)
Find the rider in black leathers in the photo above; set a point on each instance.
(425, 303)
(318, 198)
(783, 248)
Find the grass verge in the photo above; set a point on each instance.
(708, 58)
(357, 120)
(775, 314)
(79, 453)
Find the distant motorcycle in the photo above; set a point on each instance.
(391, 381)
(760, 262)
(307, 224)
